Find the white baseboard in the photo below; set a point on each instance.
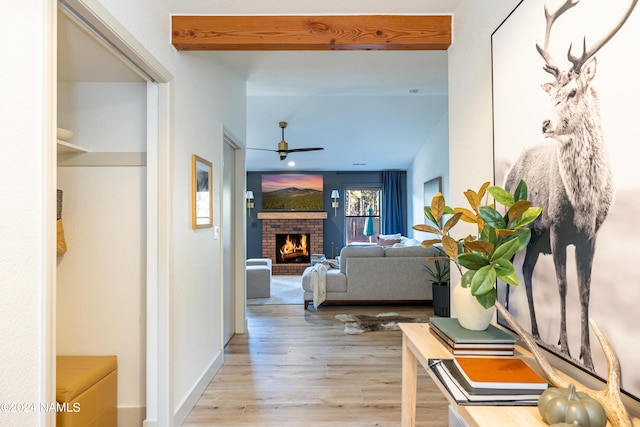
(131, 416)
(186, 406)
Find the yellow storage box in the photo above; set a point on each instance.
(87, 386)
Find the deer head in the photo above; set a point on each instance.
(572, 99)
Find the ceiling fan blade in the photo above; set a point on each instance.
(304, 149)
(283, 146)
(262, 149)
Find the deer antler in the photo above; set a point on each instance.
(579, 61)
(552, 376)
(550, 66)
(609, 397)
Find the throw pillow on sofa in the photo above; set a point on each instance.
(389, 239)
(390, 236)
(409, 242)
(388, 242)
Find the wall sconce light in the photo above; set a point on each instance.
(335, 196)
(250, 204)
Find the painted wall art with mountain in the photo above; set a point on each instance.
(292, 192)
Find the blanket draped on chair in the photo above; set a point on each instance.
(318, 282)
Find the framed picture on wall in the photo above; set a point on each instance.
(562, 123)
(430, 189)
(202, 193)
(292, 192)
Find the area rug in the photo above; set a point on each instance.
(285, 290)
(359, 323)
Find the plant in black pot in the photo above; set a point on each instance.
(438, 274)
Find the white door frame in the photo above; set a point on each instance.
(228, 222)
(239, 231)
(159, 367)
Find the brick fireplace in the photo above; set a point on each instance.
(274, 223)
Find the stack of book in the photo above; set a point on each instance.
(489, 380)
(460, 341)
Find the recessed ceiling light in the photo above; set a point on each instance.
(291, 164)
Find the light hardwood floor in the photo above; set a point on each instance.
(298, 368)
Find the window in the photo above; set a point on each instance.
(362, 215)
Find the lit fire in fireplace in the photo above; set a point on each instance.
(292, 250)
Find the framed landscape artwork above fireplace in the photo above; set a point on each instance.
(292, 192)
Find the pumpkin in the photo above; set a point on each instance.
(573, 424)
(566, 405)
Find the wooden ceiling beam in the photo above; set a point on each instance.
(366, 32)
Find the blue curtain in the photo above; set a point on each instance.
(392, 196)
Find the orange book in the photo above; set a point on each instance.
(505, 373)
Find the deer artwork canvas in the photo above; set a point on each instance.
(566, 121)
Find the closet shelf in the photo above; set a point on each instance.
(67, 147)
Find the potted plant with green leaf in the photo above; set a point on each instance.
(438, 274)
(486, 256)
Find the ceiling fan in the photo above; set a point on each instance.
(283, 146)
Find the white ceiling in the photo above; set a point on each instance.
(85, 58)
(369, 110)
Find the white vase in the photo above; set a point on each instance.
(471, 314)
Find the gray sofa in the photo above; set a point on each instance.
(376, 273)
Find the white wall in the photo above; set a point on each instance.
(197, 284)
(25, 163)
(101, 306)
(105, 116)
(470, 100)
(205, 96)
(470, 134)
(101, 278)
(431, 162)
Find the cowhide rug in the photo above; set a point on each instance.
(359, 323)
